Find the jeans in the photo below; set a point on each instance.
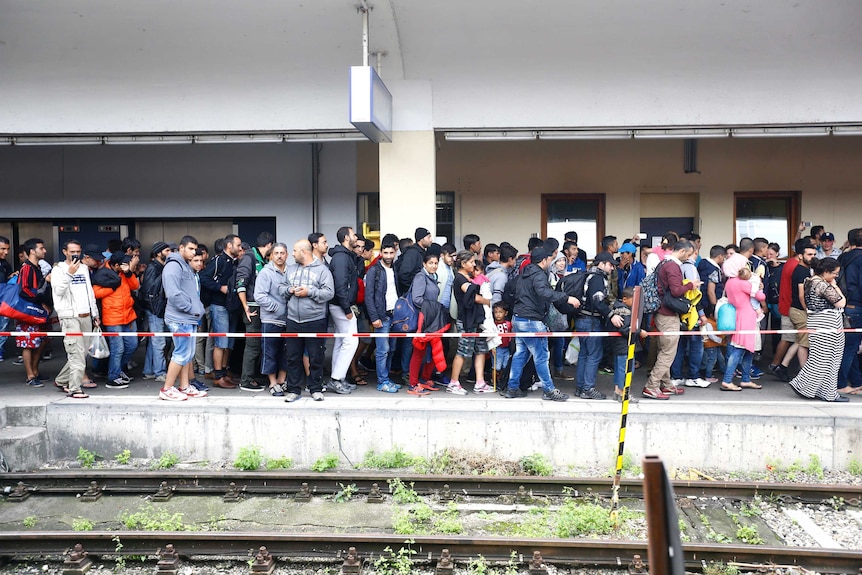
(154, 361)
(713, 356)
(383, 350)
(537, 347)
(4, 321)
(503, 355)
(690, 347)
(273, 355)
(850, 374)
(557, 347)
(738, 356)
(620, 371)
(591, 352)
(251, 353)
(122, 348)
(221, 321)
(184, 346)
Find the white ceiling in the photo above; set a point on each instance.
(222, 65)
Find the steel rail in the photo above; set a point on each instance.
(195, 482)
(22, 545)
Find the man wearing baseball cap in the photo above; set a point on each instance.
(631, 272)
(827, 248)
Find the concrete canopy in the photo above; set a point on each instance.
(156, 66)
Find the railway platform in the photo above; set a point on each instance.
(704, 428)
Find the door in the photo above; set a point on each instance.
(655, 228)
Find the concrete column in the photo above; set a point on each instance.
(408, 178)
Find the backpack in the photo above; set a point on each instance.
(405, 317)
(649, 291)
(152, 294)
(510, 291)
(574, 285)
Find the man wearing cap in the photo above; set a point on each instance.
(827, 248)
(534, 295)
(118, 316)
(76, 308)
(631, 273)
(153, 301)
(591, 317)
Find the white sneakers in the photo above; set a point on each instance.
(174, 394)
(456, 389)
(698, 382)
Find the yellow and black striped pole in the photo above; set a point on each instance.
(630, 359)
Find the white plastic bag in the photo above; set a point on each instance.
(98, 345)
(573, 351)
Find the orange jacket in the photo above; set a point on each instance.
(118, 307)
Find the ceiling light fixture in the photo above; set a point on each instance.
(682, 133)
(481, 136)
(780, 132)
(585, 134)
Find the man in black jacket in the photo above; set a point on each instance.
(153, 301)
(411, 260)
(533, 296)
(342, 263)
(220, 292)
(247, 268)
(380, 298)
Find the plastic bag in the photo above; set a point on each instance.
(573, 351)
(98, 345)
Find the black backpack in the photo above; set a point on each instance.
(574, 285)
(510, 292)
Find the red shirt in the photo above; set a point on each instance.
(785, 287)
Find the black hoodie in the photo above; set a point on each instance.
(851, 276)
(342, 263)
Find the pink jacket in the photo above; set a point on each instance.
(739, 294)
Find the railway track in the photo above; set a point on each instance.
(194, 482)
(21, 545)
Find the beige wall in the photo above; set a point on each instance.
(498, 184)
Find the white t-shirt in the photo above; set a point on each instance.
(391, 293)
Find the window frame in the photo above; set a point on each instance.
(793, 217)
(600, 211)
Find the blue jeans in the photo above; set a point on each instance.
(184, 347)
(619, 371)
(713, 356)
(3, 323)
(154, 361)
(221, 321)
(122, 348)
(591, 352)
(557, 347)
(738, 356)
(530, 346)
(690, 347)
(850, 373)
(502, 357)
(384, 348)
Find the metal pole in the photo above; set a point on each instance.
(364, 8)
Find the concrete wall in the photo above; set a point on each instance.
(498, 184)
(732, 436)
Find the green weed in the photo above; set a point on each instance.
(86, 458)
(815, 467)
(30, 522)
(536, 464)
(449, 521)
(325, 463)
(396, 563)
(346, 493)
(123, 457)
(854, 467)
(393, 459)
(478, 566)
(401, 492)
(249, 458)
(279, 463)
(748, 534)
(750, 510)
(149, 518)
(720, 569)
(437, 464)
(82, 524)
(166, 461)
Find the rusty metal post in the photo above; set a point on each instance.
(352, 564)
(665, 548)
(264, 563)
(537, 565)
(445, 565)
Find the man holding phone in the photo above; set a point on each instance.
(75, 303)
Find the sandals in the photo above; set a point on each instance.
(89, 384)
(418, 390)
(78, 395)
(60, 387)
(730, 387)
(750, 385)
(358, 379)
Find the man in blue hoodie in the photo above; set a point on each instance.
(183, 312)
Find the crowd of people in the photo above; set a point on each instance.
(485, 293)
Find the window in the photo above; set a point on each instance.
(446, 215)
(583, 213)
(368, 214)
(771, 215)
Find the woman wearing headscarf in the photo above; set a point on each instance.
(825, 303)
(739, 292)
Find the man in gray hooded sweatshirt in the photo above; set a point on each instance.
(308, 289)
(183, 313)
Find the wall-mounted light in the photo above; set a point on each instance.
(238, 138)
(780, 132)
(57, 140)
(682, 133)
(847, 130)
(325, 137)
(144, 140)
(585, 135)
(498, 136)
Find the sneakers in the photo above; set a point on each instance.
(120, 383)
(673, 390)
(34, 383)
(148, 376)
(192, 392)
(338, 386)
(278, 391)
(386, 387)
(697, 382)
(780, 372)
(170, 394)
(125, 377)
(756, 372)
(198, 384)
(441, 378)
(316, 396)
(561, 375)
(456, 389)
(429, 386)
(592, 394)
(131, 365)
(251, 386)
(418, 390)
(291, 397)
(606, 369)
(654, 394)
(536, 386)
(514, 393)
(677, 382)
(482, 388)
(18, 361)
(160, 378)
(557, 395)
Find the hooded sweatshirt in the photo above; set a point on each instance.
(318, 279)
(269, 287)
(181, 290)
(851, 270)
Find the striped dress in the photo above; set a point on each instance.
(819, 375)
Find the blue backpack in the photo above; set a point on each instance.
(649, 291)
(405, 317)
